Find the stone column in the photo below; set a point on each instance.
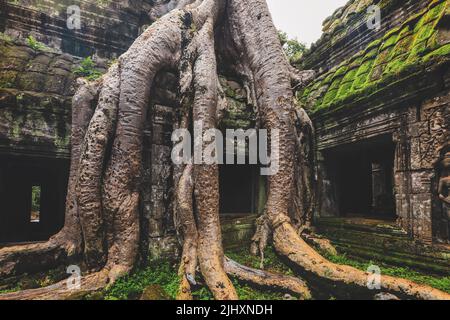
(156, 195)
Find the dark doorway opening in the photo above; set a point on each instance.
(363, 175)
(238, 189)
(32, 197)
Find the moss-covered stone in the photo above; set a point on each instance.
(239, 114)
(421, 40)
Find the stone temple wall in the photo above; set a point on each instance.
(36, 89)
(108, 27)
(395, 87)
(38, 80)
(37, 85)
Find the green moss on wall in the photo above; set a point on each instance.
(400, 52)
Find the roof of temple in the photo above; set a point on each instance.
(418, 45)
(346, 31)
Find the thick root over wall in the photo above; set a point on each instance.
(102, 218)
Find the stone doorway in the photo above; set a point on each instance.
(363, 176)
(32, 194)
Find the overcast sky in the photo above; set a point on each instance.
(302, 19)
